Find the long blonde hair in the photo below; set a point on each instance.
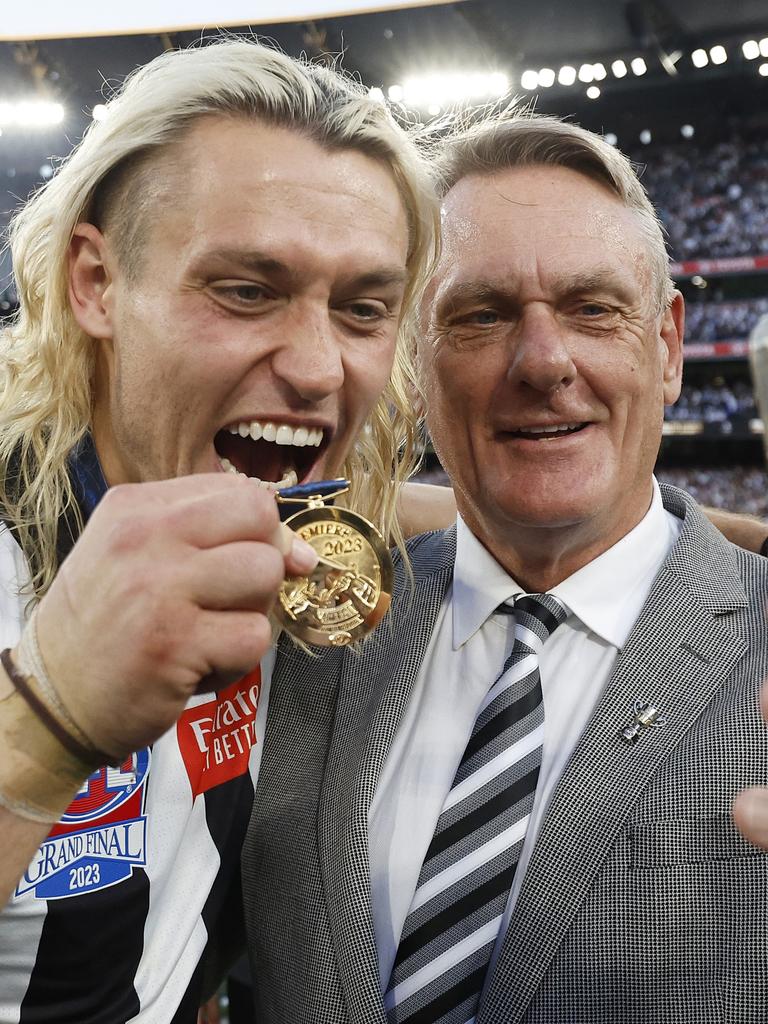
(47, 362)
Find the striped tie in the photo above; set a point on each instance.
(456, 913)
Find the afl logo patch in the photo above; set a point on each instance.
(100, 839)
(107, 790)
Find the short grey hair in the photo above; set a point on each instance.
(515, 138)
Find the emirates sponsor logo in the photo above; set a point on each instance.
(216, 738)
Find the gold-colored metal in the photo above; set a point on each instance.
(350, 590)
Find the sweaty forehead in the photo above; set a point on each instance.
(550, 216)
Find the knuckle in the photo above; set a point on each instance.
(262, 634)
(264, 506)
(128, 534)
(268, 566)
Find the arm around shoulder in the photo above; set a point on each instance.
(425, 507)
(747, 532)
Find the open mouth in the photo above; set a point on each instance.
(548, 432)
(275, 454)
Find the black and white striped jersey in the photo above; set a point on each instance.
(110, 921)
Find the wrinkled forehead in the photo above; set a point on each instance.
(518, 218)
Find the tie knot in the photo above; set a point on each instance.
(539, 613)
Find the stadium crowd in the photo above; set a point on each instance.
(713, 199)
(714, 402)
(722, 321)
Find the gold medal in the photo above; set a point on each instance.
(350, 590)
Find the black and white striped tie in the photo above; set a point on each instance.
(462, 891)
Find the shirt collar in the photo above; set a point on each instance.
(607, 594)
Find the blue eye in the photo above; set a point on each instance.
(485, 316)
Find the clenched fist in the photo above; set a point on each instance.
(170, 583)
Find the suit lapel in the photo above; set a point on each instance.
(374, 688)
(678, 655)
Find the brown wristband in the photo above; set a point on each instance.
(87, 755)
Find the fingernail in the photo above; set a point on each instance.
(303, 555)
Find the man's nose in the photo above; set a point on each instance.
(309, 357)
(540, 354)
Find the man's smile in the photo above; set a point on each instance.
(546, 431)
(274, 453)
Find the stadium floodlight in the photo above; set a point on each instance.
(30, 114)
(498, 83)
(546, 77)
(593, 92)
(751, 49)
(763, 44)
(645, 136)
(566, 75)
(586, 73)
(718, 54)
(376, 94)
(395, 93)
(529, 80)
(611, 139)
(687, 131)
(599, 72)
(619, 69)
(446, 88)
(763, 70)
(101, 111)
(699, 58)
(638, 65)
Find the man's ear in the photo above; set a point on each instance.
(672, 331)
(90, 277)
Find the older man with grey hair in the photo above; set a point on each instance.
(515, 804)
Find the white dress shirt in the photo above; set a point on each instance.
(466, 654)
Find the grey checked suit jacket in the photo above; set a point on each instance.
(641, 902)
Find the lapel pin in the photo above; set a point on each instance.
(646, 716)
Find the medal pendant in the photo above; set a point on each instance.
(350, 590)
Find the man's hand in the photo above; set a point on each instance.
(750, 809)
(170, 583)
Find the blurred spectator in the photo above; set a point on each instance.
(723, 321)
(714, 402)
(736, 488)
(713, 199)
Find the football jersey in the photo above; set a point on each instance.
(111, 918)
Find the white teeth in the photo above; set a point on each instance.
(289, 480)
(279, 433)
(549, 429)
